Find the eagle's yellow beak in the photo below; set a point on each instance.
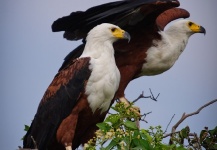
(196, 28)
(120, 34)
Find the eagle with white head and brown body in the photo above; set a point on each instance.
(79, 95)
(164, 53)
(151, 50)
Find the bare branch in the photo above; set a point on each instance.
(144, 115)
(142, 96)
(184, 116)
(169, 124)
(152, 96)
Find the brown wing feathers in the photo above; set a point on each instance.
(57, 103)
(170, 15)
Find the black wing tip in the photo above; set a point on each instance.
(66, 22)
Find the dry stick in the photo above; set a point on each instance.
(184, 116)
(169, 123)
(142, 96)
(144, 115)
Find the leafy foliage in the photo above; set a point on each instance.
(208, 138)
(119, 131)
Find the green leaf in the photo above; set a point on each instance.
(184, 132)
(141, 144)
(215, 146)
(126, 140)
(203, 135)
(130, 124)
(168, 147)
(136, 133)
(145, 135)
(181, 148)
(114, 118)
(213, 132)
(26, 127)
(103, 126)
(111, 145)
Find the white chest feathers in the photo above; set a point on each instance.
(163, 54)
(102, 84)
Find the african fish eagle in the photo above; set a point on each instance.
(151, 51)
(79, 94)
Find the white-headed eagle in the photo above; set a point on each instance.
(78, 95)
(151, 50)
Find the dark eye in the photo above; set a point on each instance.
(113, 29)
(190, 23)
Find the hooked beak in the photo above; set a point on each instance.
(127, 36)
(202, 30)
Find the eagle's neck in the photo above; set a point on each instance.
(98, 49)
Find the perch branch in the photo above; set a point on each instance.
(184, 116)
(142, 96)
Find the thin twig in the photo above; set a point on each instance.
(169, 124)
(144, 115)
(152, 96)
(142, 96)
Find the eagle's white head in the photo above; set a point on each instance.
(187, 27)
(100, 40)
(107, 32)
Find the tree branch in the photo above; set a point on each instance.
(184, 116)
(142, 96)
(143, 117)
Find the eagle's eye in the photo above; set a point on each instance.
(113, 29)
(190, 23)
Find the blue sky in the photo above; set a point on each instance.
(31, 56)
